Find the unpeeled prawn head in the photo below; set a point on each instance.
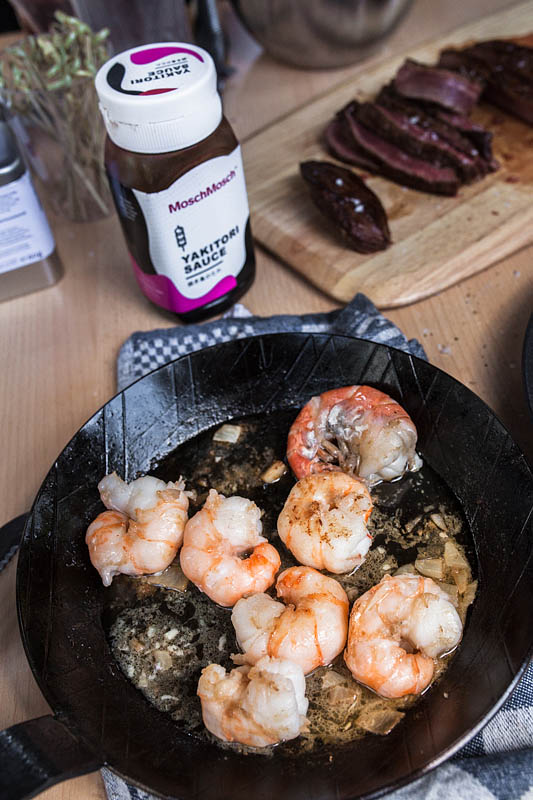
(214, 541)
(256, 706)
(141, 532)
(323, 521)
(357, 429)
(308, 628)
(396, 630)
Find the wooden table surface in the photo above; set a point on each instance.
(59, 346)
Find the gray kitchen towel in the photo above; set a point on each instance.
(497, 764)
(145, 351)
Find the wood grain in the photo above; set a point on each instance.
(437, 241)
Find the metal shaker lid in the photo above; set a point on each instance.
(12, 165)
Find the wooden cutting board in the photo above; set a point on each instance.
(437, 241)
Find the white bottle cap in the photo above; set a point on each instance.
(159, 97)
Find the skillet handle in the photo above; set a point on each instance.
(36, 754)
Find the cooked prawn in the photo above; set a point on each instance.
(214, 540)
(311, 630)
(364, 430)
(396, 630)
(256, 706)
(142, 531)
(323, 521)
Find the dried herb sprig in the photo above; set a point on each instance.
(48, 80)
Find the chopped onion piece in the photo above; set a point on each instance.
(274, 472)
(439, 521)
(470, 593)
(163, 660)
(136, 645)
(332, 678)
(406, 569)
(412, 523)
(451, 590)
(171, 578)
(227, 433)
(379, 720)
(430, 567)
(460, 577)
(454, 558)
(342, 694)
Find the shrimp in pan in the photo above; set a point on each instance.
(310, 630)
(141, 532)
(256, 706)
(396, 630)
(356, 429)
(323, 521)
(214, 541)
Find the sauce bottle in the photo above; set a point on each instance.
(176, 174)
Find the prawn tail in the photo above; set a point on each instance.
(423, 672)
(262, 565)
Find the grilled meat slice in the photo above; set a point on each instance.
(401, 129)
(447, 88)
(342, 145)
(506, 69)
(397, 165)
(457, 129)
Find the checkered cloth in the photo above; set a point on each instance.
(497, 764)
(143, 352)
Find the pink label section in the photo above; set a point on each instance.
(161, 291)
(155, 53)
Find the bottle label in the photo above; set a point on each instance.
(156, 69)
(25, 236)
(190, 246)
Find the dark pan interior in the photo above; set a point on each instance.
(61, 599)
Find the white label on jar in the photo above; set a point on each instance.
(25, 236)
(196, 227)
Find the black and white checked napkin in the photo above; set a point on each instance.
(497, 764)
(143, 352)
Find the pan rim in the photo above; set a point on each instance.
(323, 337)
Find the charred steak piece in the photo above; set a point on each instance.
(403, 130)
(501, 55)
(466, 65)
(342, 145)
(511, 94)
(505, 67)
(445, 87)
(458, 130)
(347, 201)
(396, 164)
(479, 137)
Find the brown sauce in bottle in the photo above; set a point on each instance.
(176, 175)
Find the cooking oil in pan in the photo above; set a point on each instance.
(162, 638)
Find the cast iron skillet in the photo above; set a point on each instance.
(527, 364)
(100, 718)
